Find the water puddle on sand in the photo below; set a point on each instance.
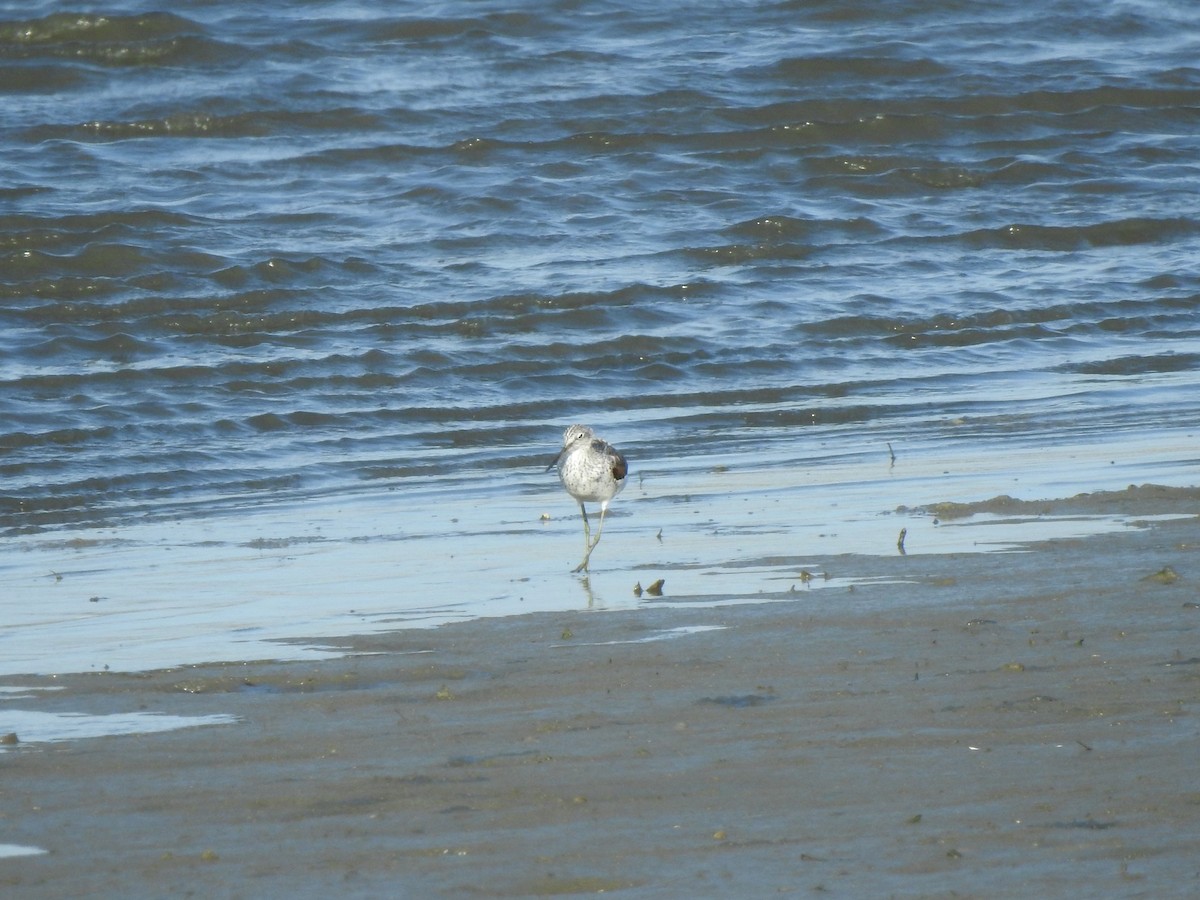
(663, 635)
(992, 532)
(33, 727)
(10, 692)
(10, 850)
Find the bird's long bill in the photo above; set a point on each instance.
(557, 459)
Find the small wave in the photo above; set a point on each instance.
(105, 260)
(740, 254)
(33, 79)
(24, 232)
(793, 228)
(1137, 365)
(120, 347)
(147, 493)
(112, 40)
(1119, 233)
(1122, 316)
(179, 125)
(59, 287)
(825, 68)
(436, 29)
(62, 437)
(94, 28)
(250, 124)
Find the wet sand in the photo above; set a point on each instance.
(976, 725)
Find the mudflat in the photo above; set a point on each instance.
(976, 725)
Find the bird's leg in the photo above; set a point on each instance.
(587, 540)
(591, 545)
(600, 528)
(587, 528)
(582, 567)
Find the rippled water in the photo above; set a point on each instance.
(254, 258)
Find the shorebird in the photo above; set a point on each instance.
(591, 470)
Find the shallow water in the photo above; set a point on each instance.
(295, 305)
(35, 727)
(10, 850)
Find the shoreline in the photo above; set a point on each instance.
(974, 725)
